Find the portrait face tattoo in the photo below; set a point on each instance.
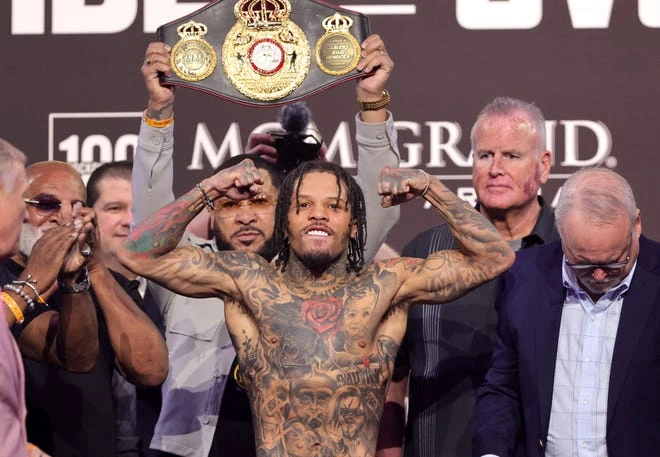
(310, 398)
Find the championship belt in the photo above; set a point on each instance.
(264, 52)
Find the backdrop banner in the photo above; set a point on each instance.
(73, 90)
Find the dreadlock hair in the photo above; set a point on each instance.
(355, 200)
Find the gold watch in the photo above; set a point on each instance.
(375, 105)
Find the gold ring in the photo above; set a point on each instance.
(148, 61)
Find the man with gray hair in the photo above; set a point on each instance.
(13, 433)
(576, 358)
(13, 182)
(446, 350)
(73, 413)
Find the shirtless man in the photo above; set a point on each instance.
(288, 319)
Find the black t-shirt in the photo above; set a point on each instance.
(71, 414)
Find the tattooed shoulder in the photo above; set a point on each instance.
(237, 261)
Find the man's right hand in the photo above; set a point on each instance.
(161, 98)
(48, 253)
(240, 182)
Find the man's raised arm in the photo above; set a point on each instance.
(149, 250)
(482, 253)
(153, 169)
(376, 139)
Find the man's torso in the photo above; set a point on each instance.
(316, 364)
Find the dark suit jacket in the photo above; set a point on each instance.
(513, 404)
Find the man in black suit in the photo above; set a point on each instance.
(576, 362)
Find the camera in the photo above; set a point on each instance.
(295, 145)
(295, 148)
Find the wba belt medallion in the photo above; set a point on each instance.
(337, 52)
(265, 55)
(192, 57)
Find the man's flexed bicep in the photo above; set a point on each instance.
(482, 253)
(442, 277)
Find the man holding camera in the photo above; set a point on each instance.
(199, 385)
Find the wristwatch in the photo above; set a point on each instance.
(375, 105)
(81, 285)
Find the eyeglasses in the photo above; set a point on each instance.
(607, 267)
(601, 266)
(261, 204)
(45, 205)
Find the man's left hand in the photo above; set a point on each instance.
(374, 58)
(400, 185)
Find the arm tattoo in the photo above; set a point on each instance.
(162, 231)
(481, 256)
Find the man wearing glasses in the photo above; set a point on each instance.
(577, 355)
(73, 413)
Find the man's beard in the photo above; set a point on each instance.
(267, 251)
(600, 287)
(28, 238)
(317, 261)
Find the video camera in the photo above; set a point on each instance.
(296, 144)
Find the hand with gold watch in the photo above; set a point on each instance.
(372, 97)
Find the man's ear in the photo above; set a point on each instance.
(544, 166)
(637, 227)
(354, 229)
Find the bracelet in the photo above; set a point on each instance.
(375, 105)
(238, 378)
(428, 183)
(207, 201)
(13, 307)
(157, 123)
(19, 291)
(82, 285)
(29, 282)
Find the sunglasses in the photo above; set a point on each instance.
(45, 205)
(261, 204)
